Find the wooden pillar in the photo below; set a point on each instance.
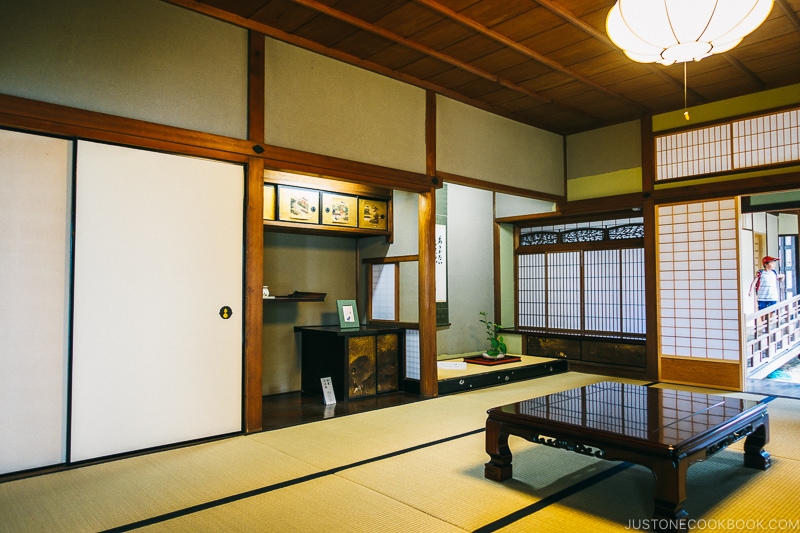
(428, 379)
(652, 361)
(253, 301)
(254, 240)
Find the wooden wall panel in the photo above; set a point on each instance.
(701, 372)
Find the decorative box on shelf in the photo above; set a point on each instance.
(306, 204)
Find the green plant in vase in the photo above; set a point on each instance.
(497, 348)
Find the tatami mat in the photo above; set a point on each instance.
(722, 495)
(329, 504)
(101, 496)
(414, 467)
(345, 440)
(448, 481)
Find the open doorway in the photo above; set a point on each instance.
(770, 228)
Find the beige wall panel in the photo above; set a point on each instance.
(507, 205)
(301, 263)
(787, 224)
(604, 150)
(35, 178)
(477, 144)
(320, 105)
(409, 292)
(141, 59)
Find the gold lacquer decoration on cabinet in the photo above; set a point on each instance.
(269, 202)
(387, 360)
(554, 347)
(617, 353)
(372, 214)
(339, 210)
(361, 355)
(298, 205)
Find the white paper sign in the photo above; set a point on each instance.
(441, 263)
(327, 391)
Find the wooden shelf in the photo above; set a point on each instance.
(319, 229)
(298, 296)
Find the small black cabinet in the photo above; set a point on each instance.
(361, 361)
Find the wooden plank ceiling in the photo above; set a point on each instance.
(546, 63)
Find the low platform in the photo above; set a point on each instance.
(478, 376)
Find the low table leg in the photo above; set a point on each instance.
(670, 493)
(499, 467)
(754, 454)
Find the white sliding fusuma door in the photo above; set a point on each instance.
(157, 357)
(35, 186)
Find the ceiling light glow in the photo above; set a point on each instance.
(670, 31)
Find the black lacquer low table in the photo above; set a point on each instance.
(664, 430)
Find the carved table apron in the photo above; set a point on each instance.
(662, 429)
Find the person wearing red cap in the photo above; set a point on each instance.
(766, 283)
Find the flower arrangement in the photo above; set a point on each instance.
(497, 347)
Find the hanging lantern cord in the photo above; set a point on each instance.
(685, 108)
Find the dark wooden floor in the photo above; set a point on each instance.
(293, 408)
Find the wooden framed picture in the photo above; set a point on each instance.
(298, 205)
(348, 314)
(372, 214)
(269, 202)
(339, 210)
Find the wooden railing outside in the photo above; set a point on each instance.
(772, 332)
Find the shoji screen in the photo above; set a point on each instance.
(35, 177)
(158, 255)
(698, 280)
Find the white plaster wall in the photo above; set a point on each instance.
(141, 59)
(320, 105)
(477, 144)
(470, 266)
(747, 270)
(787, 224)
(507, 205)
(507, 295)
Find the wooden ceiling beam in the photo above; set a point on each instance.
(790, 14)
(738, 65)
(559, 10)
(524, 50)
(399, 39)
(344, 17)
(269, 31)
